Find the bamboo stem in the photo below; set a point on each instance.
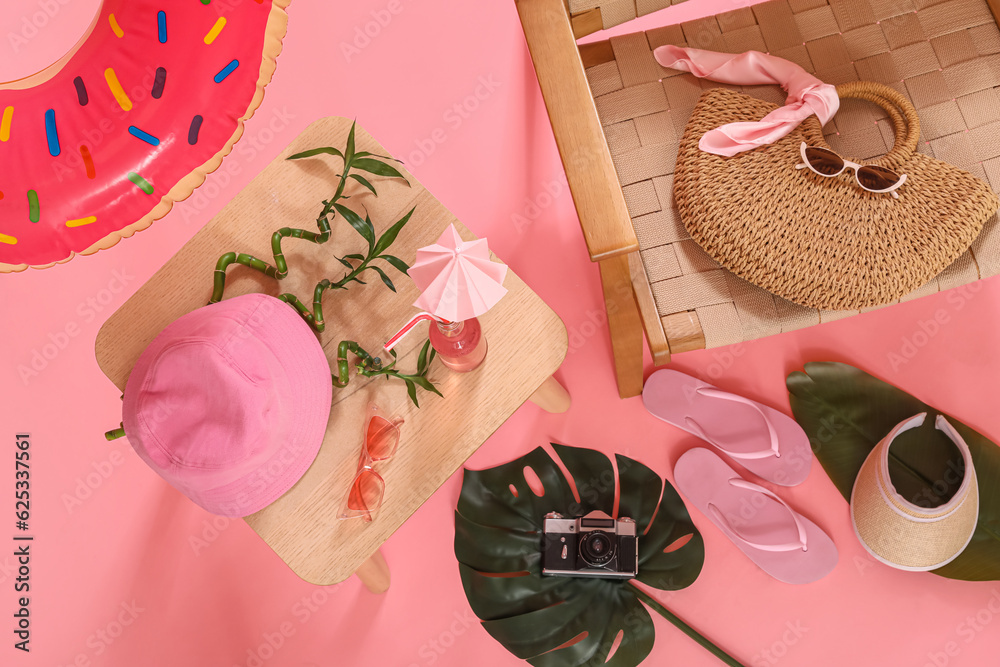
(685, 628)
(115, 434)
(343, 375)
(280, 268)
(369, 366)
(294, 302)
(315, 316)
(279, 257)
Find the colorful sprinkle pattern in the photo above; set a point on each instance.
(88, 162)
(117, 29)
(145, 136)
(116, 89)
(194, 130)
(226, 71)
(140, 182)
(158, 83)
(33, 208)
(133, 99)
(216, 29)
(5, 123)
(81, 91)
(80, 222)
(51, 133)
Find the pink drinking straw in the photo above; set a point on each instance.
(419, 317)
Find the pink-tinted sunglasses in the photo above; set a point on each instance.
(380, 437)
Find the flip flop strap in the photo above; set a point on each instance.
(771, 433)
(750, 486)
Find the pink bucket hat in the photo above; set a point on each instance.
(230, 403)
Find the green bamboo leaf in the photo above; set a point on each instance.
(426, 384)
(371, 228)
(498, 530)
(356, 256)
(350, 267)
(390, 234)
(360, 225)
(411, 389)
(325, 150)
(383, 157)
(363, 181)
(349, 155)
(385, 278)
(846, 412)
(422, 360)
(377, 167)
(396, 262)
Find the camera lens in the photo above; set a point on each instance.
(597, 548)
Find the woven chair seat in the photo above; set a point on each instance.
(616, 12)
(944, 57)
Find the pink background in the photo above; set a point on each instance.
(114, 544)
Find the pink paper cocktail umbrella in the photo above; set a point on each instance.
(456, 278)
(458, 283)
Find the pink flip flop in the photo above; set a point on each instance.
(766, 442)
(782, 542)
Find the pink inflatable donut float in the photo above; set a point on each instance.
(99, 145)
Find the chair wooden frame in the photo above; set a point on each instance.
(551, 34)
(551, 31)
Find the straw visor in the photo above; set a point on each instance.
(900, 533)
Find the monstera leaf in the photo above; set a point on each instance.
(571, 621)
(846, 412)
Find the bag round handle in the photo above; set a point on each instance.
(904, 118)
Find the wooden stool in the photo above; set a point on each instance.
(527, 342)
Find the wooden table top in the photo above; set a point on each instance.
(527, 342)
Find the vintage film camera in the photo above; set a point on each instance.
(594, 545)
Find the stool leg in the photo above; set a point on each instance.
(624, 323)
(374, 573)
(551, 396)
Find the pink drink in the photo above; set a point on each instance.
(461, 346)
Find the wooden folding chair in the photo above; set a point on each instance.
(618, 116)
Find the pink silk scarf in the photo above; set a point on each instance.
(806, 94)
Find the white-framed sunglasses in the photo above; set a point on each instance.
(869, 177)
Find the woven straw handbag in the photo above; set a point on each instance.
(824, 242)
